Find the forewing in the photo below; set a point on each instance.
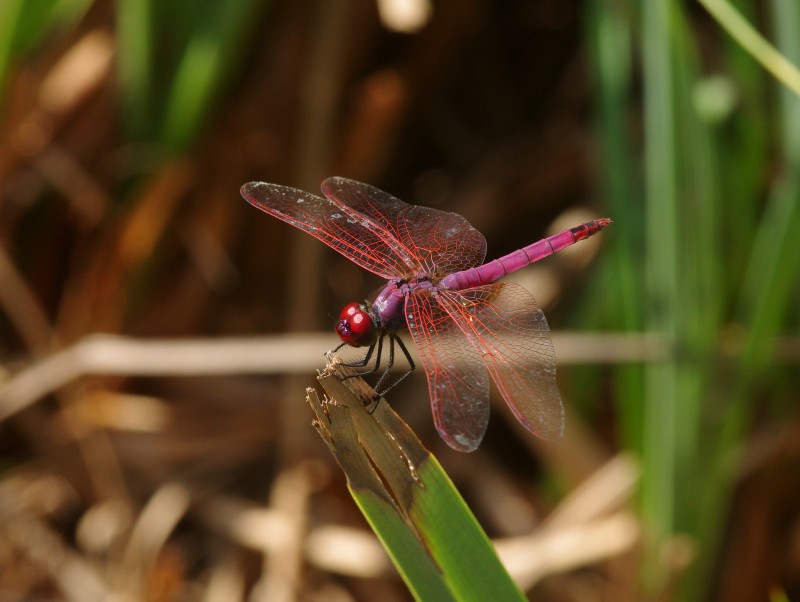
(442, 242)
(503, 321)
(360, 238)
(457, 379)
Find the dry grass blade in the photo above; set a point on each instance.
(590, 525)
(280, 354)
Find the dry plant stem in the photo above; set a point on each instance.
(530, 559)
(250, 525)
(393, 441)
(590, 525)
(347, 551)
(608, 489)
(226, 580)
(772, 59)
(76, 579)
(22, 307)
(107, 354)
(269, 531)
(280, 354)
(377, 451)
(79, 74)
(165, 508)
(28, 317)
(282, 579)
(26, 314)
(574, 458)
(65, 174)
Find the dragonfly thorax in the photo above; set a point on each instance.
(356, 326)
(388, 307)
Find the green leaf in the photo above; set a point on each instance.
(409, 501)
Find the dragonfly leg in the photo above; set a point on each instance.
(389, 365)
(411, 366)
(364, 361)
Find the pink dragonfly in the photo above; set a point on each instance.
(466, 326)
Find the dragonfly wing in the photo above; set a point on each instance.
(458, 382)
(360, 238)
(442, 242)
(503, 322)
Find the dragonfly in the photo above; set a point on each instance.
(467, 327)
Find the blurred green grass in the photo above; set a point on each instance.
(717, 274)
(175, 60)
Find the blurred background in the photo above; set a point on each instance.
(157, 333)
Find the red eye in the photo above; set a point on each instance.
(355, 326)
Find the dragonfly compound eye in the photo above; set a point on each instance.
(355, 326)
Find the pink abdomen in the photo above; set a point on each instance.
(489, 272)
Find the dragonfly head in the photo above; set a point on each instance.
(356, 327)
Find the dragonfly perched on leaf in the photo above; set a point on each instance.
(466, 326)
